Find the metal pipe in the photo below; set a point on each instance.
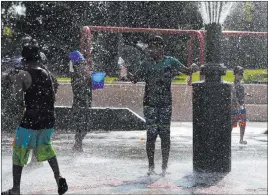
(189, 51)
(209, 12)
(128, 29)
(199, 33)
(220, 10)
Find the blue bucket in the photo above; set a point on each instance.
(98, 80)
(76, 57)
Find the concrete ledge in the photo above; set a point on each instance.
(128, 95)
(106, 119)
(257, 112)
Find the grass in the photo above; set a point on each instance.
(63, 79)
(181, 79)
(107, 79)
(229, 77)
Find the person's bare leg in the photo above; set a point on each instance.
(164, 133)
(150, 149)
(61, 182)
(79, 137)
(55, 168)
(17, 171)
(15, 190)
(150, 114)
(242, 133)
(165, 147)
(81, 125)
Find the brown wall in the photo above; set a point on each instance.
(131, 96)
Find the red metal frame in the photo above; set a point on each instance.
(86, 33)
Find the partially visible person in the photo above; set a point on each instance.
(10, 68)
(30, 41)
(10, 117)
(35, 97)
(82, 97)
(158, 70)
(14, 66)
(123, 69)
(239, 114)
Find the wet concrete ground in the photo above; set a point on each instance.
(116, 163)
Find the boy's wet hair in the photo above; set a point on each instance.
(238, 70)
(28, 40)
(156, 40)
(30, 53)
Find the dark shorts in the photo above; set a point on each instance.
(157, 120)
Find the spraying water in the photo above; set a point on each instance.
(215, 12)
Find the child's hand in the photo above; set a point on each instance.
(194, 67)
(189, 80)
(132, 77)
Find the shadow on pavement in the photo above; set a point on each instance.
(204, 180)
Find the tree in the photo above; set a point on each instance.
(57, 26)
(248, 52)
(248, 16)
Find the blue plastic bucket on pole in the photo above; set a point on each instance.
(98, 80)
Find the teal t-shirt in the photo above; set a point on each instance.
(158, 77)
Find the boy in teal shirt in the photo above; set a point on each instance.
(158, 71)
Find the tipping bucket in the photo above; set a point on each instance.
(98, 80)
(76, 57)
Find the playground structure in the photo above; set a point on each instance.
(120, 116)
(87, 37)
(257, 105)
(86, 43)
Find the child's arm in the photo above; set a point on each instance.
(189, 80)
(139, 74)
(240, 95)
(132, 77)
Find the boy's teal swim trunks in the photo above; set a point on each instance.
(28, 139)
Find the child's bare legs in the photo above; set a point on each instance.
(150, 114)
(55, 168)
(61, 182)
(242, 133)
(79, 136)
(165, 147)
(150, 147)
(17, 171)
(242, 125)
(164, 133)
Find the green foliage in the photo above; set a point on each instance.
(250, 76)
(248, 16)
(256, 76)
(248, 11)
(57, 24)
